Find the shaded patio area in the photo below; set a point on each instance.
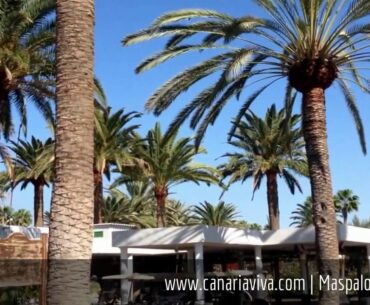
(201, 250)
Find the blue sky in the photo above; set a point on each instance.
(115, 68)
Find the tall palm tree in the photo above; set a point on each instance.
(168, 162)
(113, 138)
(302, 215)
(70, 229)
(346, 202)
(33, 163)
(27, 59)
(221, 214)
(310, 44)
(267, 147)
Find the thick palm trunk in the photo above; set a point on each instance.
(273, 200)
(72, 207)
(98, 196)
(38, 204)
(314, 131)
(161, 193)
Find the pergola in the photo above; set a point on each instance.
(196, 240)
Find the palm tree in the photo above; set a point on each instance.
(133, 208)
(177, 213)
(168, 162)
(346, 202)
(46, 218)
(19, 217)
(311, 44)
(268, 147)
(113, 138)
(5, 215)
(302, 215)
(364, 223)
(221, 214)
(33, 163)
(27, 59)
(70, 229)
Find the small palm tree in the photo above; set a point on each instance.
(27, 59)
(346, 202)
(47, 217)
(5, 215)
(364, 223)
(113, 138)
(33, 163)
(221, 214)
(268, 147)
(169, 161)
(177, 213)
(19, 217)
(302, 215)
(135, 207)
(255, 226)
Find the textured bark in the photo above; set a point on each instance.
(314, 131)
(273, 200)
(73, 195)
(38, 204)
(98, 196)
(161, 193)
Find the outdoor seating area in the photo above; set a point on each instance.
(215, 252)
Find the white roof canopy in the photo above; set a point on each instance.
(186, 236)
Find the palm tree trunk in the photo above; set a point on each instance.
(273, 200)
(345, 217)
(161, 193)
(38, 204)
(70, 237)
(314, 131)
(98, 196)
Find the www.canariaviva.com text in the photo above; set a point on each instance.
(240, 283)
(236, 284)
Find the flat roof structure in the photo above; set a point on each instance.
(187, 236)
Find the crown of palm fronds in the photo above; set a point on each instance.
(221, 214)
(32, 161)
(270, 144)
(132, 207)
(27, 59)
(309, 43)
(168, 161)
(302, 215)
(113, 138)
(346, 200)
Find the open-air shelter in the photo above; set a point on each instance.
(197, 241)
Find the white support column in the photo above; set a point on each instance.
(368, 257)
(304, 271)
(258, 259)
(190, 261)
(259, 270)
(199, 273)
(126, 269)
